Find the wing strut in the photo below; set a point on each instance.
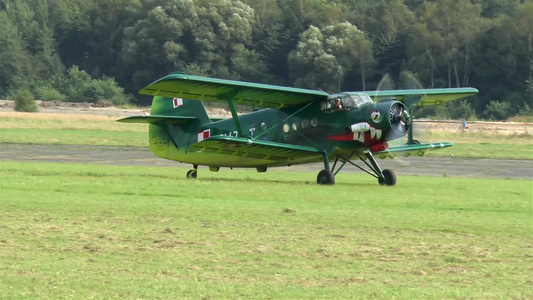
(235, 116)
(410, 101)
(228, 97)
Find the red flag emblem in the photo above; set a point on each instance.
(177, 102)
(202, 135)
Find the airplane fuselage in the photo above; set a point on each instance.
(307, 125)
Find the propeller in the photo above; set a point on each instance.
(400, 115)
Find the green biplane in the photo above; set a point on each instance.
(293, 126)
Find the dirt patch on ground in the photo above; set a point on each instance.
(488, 128)
(72, 110)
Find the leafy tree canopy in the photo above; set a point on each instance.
(318, 44)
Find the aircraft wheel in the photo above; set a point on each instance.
(390, 178)
(192, 174)
(325, 177)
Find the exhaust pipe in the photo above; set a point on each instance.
(358, 127)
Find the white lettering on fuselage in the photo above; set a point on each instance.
(234, 133)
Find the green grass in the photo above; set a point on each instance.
(73, 137)
(84, 231)
(486, 150)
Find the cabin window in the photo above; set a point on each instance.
(339, 102)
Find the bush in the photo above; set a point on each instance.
(75, 84)
(455, 110)
(24, 101)
(436, 111)
(526, 111)
(46, 93)
(105, 88)
(496, 110)
(78, 86)
(460, 110)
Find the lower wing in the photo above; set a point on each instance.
(236, 146)
(409, 149)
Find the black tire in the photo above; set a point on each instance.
(325, 177)
(192, 174)
(390, 178)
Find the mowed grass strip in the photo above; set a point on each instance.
(482, 145)
(83, 231)
(82, 129)
(73, 137)
(20, 120)
(70, 129)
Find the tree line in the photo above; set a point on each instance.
(80, 50)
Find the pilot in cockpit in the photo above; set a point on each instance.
(338, 104)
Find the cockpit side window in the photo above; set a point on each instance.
(357, 100)
(348, 102)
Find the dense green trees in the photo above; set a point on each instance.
(73, 49)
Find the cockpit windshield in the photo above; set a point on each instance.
(361, 98)
(344, 102)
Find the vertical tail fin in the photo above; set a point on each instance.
(165, 106)
(167, 139)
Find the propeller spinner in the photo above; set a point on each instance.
(400, 119)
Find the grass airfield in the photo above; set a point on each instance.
(106, 232)
(86, 231)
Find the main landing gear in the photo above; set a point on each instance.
(384, 177)
(192, 174)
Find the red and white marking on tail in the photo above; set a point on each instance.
(202, 135)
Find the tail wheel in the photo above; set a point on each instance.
(325, 177)
(389, 178)
(192, 174)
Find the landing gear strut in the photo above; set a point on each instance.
(325, 176)
(192, 174)
(384, 177)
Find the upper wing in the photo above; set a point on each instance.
(408, 149)
(179, 84)
(266, 150)
(423, 97)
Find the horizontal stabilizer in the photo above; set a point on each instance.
(157, 118)
(217, 119)
(258, 149)
(411, 149)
